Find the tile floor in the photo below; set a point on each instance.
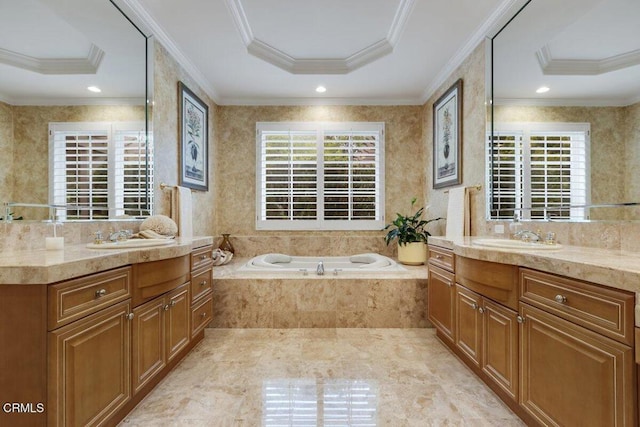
(321, 377)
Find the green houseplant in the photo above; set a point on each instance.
(411, 234)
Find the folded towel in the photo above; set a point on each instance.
(181, 211)
(150, 234)
(458, 213)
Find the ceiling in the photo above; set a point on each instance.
(276, 52)
(279, 51)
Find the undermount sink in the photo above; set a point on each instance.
(514, 244)
(132, 243)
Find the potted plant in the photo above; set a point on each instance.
(411, 235)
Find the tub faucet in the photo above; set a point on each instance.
(320, 269)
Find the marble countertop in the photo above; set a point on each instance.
(43, 266)
(613, 268)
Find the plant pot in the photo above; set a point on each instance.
(414, 253)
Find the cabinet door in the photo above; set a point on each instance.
(440, 295)
(571, 376)
(468, 336)
(178, 315)
(500, 346)
(148, 341)
(89, 367)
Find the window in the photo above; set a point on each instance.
(540, 170)
(99, 170)
(320, 176)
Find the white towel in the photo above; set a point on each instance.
(458, 213)
(181, 211)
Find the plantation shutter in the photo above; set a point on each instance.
(98, 170)
(506, 173)
(133, 192)
(289, 171)
(540, 170)
(351, 178)
(320, 176)
(81, 170)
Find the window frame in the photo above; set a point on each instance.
(322, 224)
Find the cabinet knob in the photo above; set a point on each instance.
(172, 303)
(203, 257)
(130, 316)
(560, 299)
(101, 293)
(439, 257)
(474, 306)
(520, 319)
(203, 315)
(203, 283)
(481, 310)
(166, 307)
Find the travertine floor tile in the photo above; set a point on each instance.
(321, 377)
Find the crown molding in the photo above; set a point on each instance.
(35, 101)
(87, 65)
(566, 102)
(584, 67)
(271, 54)
(172, 48)
(318, 101)
(496, 20)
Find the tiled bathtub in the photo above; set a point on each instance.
(295, 300)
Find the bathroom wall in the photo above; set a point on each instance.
(236, 164)
(632, 157)
(624, 235)
(6, 148)
(166, 139)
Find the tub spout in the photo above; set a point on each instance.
(320, 269)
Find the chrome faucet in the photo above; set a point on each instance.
(119, 235)
(320, 269)
(527, 236)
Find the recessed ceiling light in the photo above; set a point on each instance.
(542, 89)
(321, 89)
(95, 89)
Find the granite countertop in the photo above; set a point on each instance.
(43, 266)
(613, 268)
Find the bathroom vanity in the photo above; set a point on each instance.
(551, 332)
(87, 334)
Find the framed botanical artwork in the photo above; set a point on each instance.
(194, 150)
(447, 138)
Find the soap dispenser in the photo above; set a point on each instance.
(515, 226)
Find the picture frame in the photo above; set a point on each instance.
(194, 140)
(447, 138)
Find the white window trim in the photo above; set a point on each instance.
(527, 128)
(321, 224)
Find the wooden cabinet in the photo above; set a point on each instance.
(572, 376)
(487, 335)
(441, 291)
(577, 360)
(160, 331)
(440, 307)
(201, 289)
(89, 370)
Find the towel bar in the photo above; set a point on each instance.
(473, 187)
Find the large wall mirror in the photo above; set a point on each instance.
(564, 123)
(75, 85)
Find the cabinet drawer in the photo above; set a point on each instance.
(493, 280)
(157, 277)
(603, 310)
(201, 257)
(443, 258)
(201, 284)
(201, 315)
(73, 299)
